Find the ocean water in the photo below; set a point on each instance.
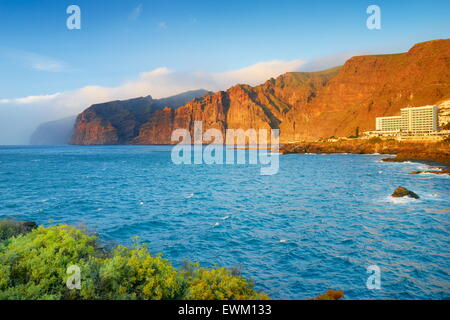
(316, 225)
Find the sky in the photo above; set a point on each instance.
(130, 48)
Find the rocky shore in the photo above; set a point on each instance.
(428, 152)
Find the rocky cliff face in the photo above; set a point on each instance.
(372, 86)
(240, 107)
(119, 122)
(304, 106)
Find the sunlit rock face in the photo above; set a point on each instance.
(303, 105)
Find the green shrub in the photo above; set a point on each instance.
(135, 274)
(34, 266)
(10, 228)
(220, 284)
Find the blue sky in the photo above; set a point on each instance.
(121, 38)
(131, 48)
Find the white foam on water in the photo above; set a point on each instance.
(402, 200)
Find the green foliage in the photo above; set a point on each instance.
(34, 266)
(11, 228)
(220, 284)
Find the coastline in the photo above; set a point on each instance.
(431, 153)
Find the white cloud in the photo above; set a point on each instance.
(30, 99)
(162, 25)
(327, 62)
(258, 72)
(35, 61)
(19, 117)
(136, 12)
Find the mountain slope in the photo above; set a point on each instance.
(118, 122)
(372, 86)
(56, 132)
(240, 107)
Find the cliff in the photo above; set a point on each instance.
(58, 132)
(372, 86)
(119, 122)
(303, 105)
(240, 107)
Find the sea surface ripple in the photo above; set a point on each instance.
(316, 225)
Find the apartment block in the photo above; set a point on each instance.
(413, 119)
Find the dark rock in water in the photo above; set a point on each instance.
(403, 192)
(331, 295)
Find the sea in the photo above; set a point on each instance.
(322, 222)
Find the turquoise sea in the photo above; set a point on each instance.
(316, 225)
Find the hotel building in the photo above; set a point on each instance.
(412, 120)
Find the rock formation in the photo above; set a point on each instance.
(303, 105)
(119, 122)
(403, 192)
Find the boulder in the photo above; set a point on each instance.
(403, 192)
(330, 295)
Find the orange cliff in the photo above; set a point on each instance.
(303, 105)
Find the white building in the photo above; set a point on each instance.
(411, 120)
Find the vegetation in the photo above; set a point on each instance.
(446, 126)
(10, 228)
(34, 265)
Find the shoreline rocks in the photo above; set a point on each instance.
(424, 152)
(441, 171)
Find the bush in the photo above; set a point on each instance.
(10, 228)
(220, 284)
(34, 266)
